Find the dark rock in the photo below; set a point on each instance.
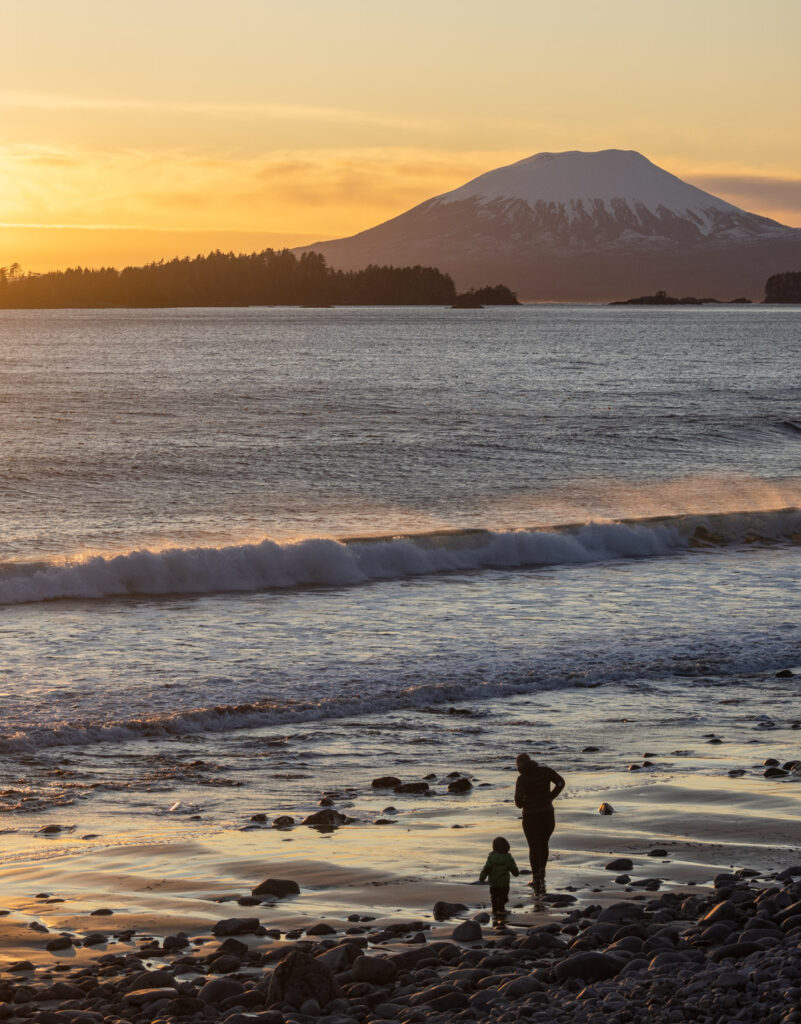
(770, 762)
(376, 970)
(61, 942)
(236, 926)
(327, 817)
(606, 808)
(102, 912)
(299, 977)
(321, 929)
(283, 821)
(412, 787)
(278, 887)
(260, 819)
(145, 996)
(94, 939)
(460, 786)
(659, 852)
(774, 773)
(48, 830)
(218, 989)
(232, 947)
(589, 750)
(784, 673)
(444, 910)
(386, 782)
(621, 864)
(588, 966)
(734, 951)
(467, 931)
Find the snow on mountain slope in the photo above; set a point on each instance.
(617, 186)
(605, 176)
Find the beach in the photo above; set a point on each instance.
(380, 882)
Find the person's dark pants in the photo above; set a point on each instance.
(499, 894)
(538, 828)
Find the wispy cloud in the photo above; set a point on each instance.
(65, 103)
(780, 194)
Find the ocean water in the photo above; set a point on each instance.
(258, 550)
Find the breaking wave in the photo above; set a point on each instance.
(329, 562)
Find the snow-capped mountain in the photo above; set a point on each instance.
(582, 226)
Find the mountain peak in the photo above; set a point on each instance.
(603, 176)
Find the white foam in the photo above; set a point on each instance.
(270, 565)
(323, 561)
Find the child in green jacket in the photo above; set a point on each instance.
(497, 869)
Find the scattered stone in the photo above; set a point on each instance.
(621, 864)
(49, 830)
(444, 910)
(144, 996)
(321, 929)
(278, 887)
(327, 818)
(657, 852)
(775, 773)
(386, 782)
(460, 786)
(606, 808)
(101, 912)
(60, 942)
(589, 750)
(236, 926)
(260, 818)
(283, 821)
(467, 931)
(784, 673)
(413, 787)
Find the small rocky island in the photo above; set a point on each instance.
(491, 295)
(663, 299)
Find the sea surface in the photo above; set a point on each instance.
(248, 554)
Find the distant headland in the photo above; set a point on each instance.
(785, 287)
(266, 278)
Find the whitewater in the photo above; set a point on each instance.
(271, 538)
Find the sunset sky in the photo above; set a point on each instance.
(136, 130)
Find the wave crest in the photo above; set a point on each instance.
(322, 561)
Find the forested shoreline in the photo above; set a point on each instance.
(267, 278)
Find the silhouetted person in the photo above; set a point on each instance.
(533, 793)
(500, 864)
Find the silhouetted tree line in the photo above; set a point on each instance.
(784, 287)
(224, 279)
(491, 295)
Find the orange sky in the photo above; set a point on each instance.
(136, 131)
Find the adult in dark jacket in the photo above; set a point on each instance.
(537, 788)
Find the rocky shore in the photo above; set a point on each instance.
(728, 954)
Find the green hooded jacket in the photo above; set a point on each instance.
(497, 869)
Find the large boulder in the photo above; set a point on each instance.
(299, 977)
(278, 887)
